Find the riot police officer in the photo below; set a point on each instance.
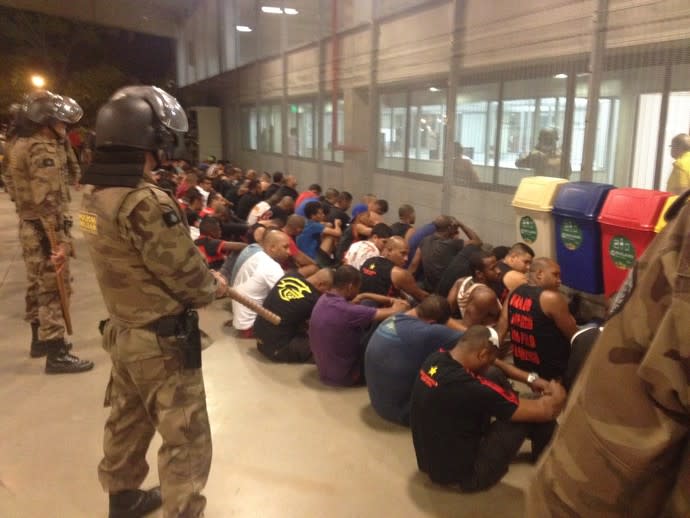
(151, 276)
(37, 168)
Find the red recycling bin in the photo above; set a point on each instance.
(627, 220)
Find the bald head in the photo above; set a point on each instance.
(396, 251)
(322, 279)
(680, 144)
(545, 273)
(476, 337)
(294, 224)
(277, 245)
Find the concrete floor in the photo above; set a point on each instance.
(284, 444)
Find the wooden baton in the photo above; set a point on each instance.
(257, 308)
(62, 291)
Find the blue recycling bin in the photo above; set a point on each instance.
(578, 234)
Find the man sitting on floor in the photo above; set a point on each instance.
(537, 317)
(397, 350)
(361, 251)
(292, 298)
(214, 249)
(337, 327)
(484, 273)
(386, 274)
(514, 267)
(317, 239)
(257, 276)
(455, 440)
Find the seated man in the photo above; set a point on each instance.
(537, 317)
(257, 276)
(514, 267)
(455, 440)
(458, 268)
(339, 210)
(404, 227)
(311, 194)
(337, 326)
(214, 249)
(292, 298)
(317, 240)
(386, 274)
(484, 273)
(397, 350)
(298, 260)
(361, 251)
(437, 250)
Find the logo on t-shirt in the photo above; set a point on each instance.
(291, 288)
(427, 378)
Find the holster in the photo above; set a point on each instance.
(185, 328)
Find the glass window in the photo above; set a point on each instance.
(475, 133)
(531, 129)
(328, 152)
(427, 131)
(270, 129)
(301, 129)
(392, 127)
(249, 127)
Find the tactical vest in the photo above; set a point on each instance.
(133, 295)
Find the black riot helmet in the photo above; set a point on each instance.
(45, 108)
(141, 118)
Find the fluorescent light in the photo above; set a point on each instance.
(561, 76)
(271, 10)
(434, 89)
(290, 11)
(243, 28)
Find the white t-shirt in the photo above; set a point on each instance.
(360, 252)
(254, 279)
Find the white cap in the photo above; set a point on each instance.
(493, 337)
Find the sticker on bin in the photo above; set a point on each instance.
(528, 229)
(571, 234)
(622, 252)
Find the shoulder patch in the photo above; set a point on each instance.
(170, 217)
(88, 222)
(48, 162)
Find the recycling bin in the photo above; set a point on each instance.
(533, 202)
(578, 234)
(628, 219)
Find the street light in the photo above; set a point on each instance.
(38, 81)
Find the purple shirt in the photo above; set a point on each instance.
(335, 333)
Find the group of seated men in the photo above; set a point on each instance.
(432, 323)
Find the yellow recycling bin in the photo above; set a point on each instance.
(533, 203)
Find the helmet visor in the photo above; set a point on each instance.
(167, 109)
(67, 109)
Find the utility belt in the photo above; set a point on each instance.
(184, 329)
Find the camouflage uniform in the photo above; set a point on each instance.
(148, 267)
(622, 448)
(37, 170)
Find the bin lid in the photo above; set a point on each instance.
(633, 208)
(662, 219)
(581, 199)
(537, 192)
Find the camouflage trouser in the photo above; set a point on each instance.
(42, 296)
(148, 391)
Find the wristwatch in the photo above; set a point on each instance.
(532, 377)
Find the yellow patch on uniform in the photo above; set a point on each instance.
(433, 370)
(88, 222)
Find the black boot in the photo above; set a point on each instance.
(38, 348)
(59, 361)
(134, 503)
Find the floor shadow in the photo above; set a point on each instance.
(256, 354)
(501, 500)
(310, 378)
(375, 421)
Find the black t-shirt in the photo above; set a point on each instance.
(279, 213)
(437, 253)
(501, 289)
(450, 408)
(400, 229)
(287, 191)
(244, 206)
(212, 251)
(376, 277)
(538, 344)
(458, 268)
(337, 213)
(292, 298)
